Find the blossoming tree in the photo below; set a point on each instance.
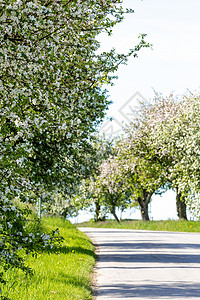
(51, 96)
(171, 127)
(110, 188)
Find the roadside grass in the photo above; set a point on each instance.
(57, 275)
(169, 225)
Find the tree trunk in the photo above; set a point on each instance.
(64, 213)
(144, 205)
(97, 211)
(181, 207)
(113, 212)
(145, 213)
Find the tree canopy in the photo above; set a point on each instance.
(50, 85)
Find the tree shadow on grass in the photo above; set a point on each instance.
(63, 249)
(76, 281)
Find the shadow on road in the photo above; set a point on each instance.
(155, 252)
(151, 258)
(147, 245)
(150, 291)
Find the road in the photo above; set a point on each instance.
(146, 264)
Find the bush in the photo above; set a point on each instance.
(21, 232)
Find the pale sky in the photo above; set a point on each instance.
(173, 27)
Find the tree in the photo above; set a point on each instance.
(187, 141)
(164, 135)
(181, 206)
(109, 187)
(51, 96)
(140, 164)
(142, 179)
(102, 149)
(156, 127)
(173, 135)
(80, 198)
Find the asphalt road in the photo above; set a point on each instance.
(146, 264)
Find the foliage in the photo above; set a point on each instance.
(21, 232)
(69, 205)
(109, 187)
(83, 198)
(143, 176)
(51, 96)
(64, 205)
(174, 136)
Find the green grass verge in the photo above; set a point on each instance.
(169, 225)
(64, 275)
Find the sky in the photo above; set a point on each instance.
(172, 65)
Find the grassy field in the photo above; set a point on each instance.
(169, 225)
(65, 275)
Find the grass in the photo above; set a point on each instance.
(63, 275)
(169, 225)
